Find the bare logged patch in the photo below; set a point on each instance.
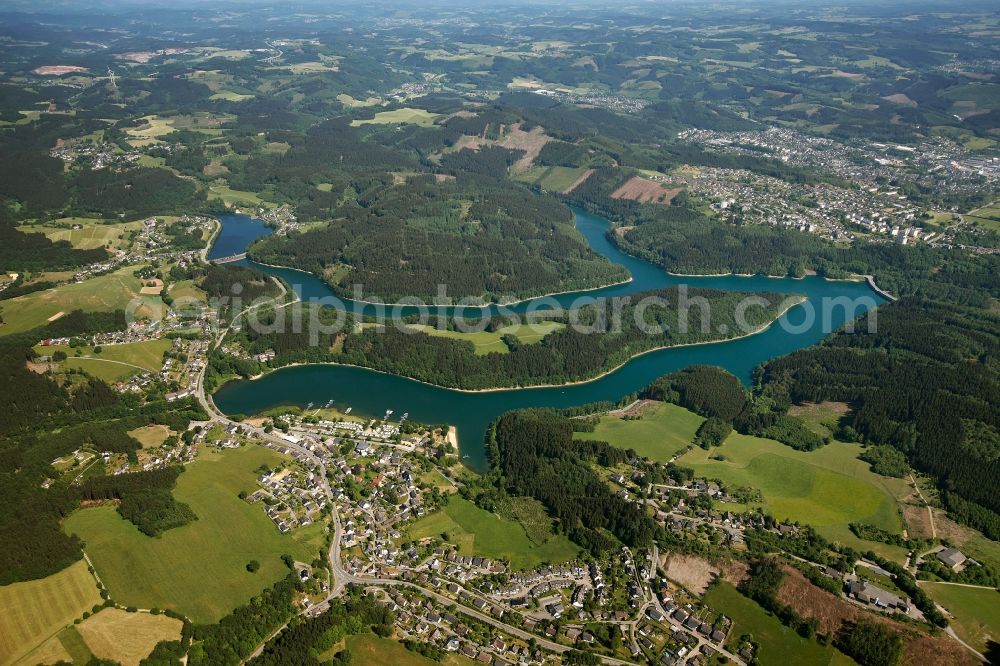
(57, 70)
(918, 523)
(576, 183)
(530, 142)
(512, 138)
(645, 191)
(736, 572)
(693, 573)
(811, 601)
(443, 177)
(853, 76)
(949, 529)
(838, 408)
(924, 650)
(470, 142)
(900, 98)
(919, 648)
(638, 408)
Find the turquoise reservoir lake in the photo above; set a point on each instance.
(372, 393)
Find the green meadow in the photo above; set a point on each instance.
(371, 649)
(487, 342)
(99, 294)
(975, 611)
(92, 233)
(661, 433)
(115, 361)
(198, 569)
(828, 488)
(479, 532)
(404, 116)
(779, 645)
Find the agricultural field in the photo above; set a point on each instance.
(778, 644)
(221, 191)
(153, 128)
(150, 131)
(971, 97)
(68, 642)
(552, 179)
(487, 342)
(645, 191)
(198, 569)
(827, 488)
(127, 638)
(151, 436)
(54, 651)
(310, 67)
(663, 431)
(404, 116)
(352, 103)
(371, 649)
(479, 532)
(988, 216)
(33, 611)
(231, 96)
(975, 612)
(115, 361)
(99, 294)
(186, 291)
(91, 234)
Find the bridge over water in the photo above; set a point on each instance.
(230, 259)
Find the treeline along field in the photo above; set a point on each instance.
(45, 420)
(924, 382)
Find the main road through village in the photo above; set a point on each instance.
(341, 577)
(645, 276)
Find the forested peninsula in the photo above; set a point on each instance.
(570, 353)
(477, 235)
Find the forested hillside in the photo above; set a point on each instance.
(45, 420)
(927, 383)
(475, 235)
(685, 241)
(535, 455)
(572, 353)
(20, 251)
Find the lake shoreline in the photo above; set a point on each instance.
(498, 389)
(485, 306)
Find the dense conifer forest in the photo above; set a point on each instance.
(926, 383)
(534, 454)
(476, 235)
(22, 251)
(46, 420)
(685, 241)
(573, 353)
